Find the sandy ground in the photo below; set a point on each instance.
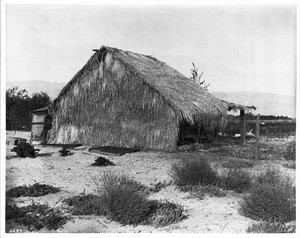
(74, 175)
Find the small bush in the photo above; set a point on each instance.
(193, 172)
(123, 198)
(236, 179)
(86, 205)
(270, 227)
(290, 153)
(163, 213)
(120, 204)
(270, 176)
(125, 205)
(110, 179)
(34, 190)
(24, 149)
(271, 198)
(36, 216)
(199, 191)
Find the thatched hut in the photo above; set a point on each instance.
(121, 98)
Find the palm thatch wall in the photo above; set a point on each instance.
(126, 99)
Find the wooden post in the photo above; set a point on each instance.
(243, 126)
(257, 146)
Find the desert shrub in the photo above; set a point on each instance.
(270, 227)
(34, 190)
(271, 198)
(270, 176)
(236, 179)
(163, 213)
(125, 205)
(124, 199)
(193, 172)
(86, 205)
(24, 149)
(36, 216)
(199, 191)
(110, 179)
(237, 164)
(290, 153)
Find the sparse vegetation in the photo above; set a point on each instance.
(271, 198)
(270, 227)
(86, 205)
(109, 180)
(193, 172)
(199, 191)
(269, 176)
(236, 179)
(123, 200)
(35, 216)
(34, 190)
(124, 204)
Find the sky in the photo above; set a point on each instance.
(238, 47)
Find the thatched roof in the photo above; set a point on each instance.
(190, 102)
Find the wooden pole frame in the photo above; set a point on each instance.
(243, 126)
(257, 145)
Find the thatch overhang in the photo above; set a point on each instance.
(238, 107)
(188, 100)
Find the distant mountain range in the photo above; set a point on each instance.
(266, 103)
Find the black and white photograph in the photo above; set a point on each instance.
(148, 117)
